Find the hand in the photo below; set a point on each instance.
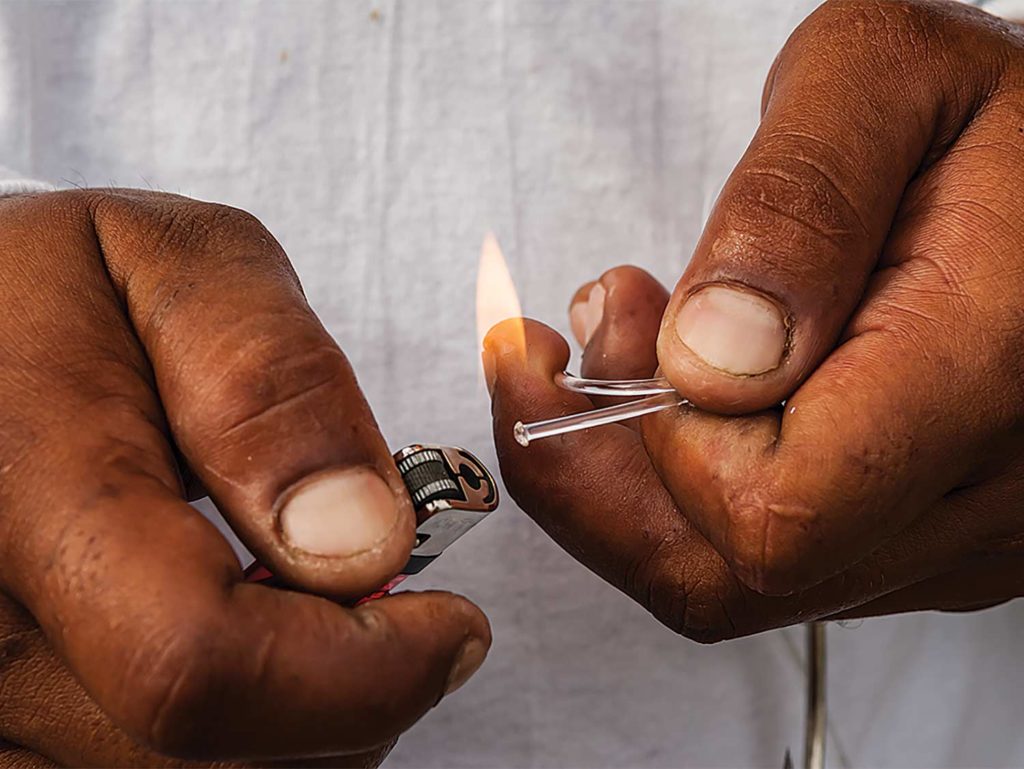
(864, 264)
(44, 706)
(150, 340)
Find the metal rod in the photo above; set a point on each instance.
(546, 428)
(817, 714)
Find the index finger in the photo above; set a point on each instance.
(260, 399)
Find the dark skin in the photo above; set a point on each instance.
(48, 709)
(873, 225)
(151, 344)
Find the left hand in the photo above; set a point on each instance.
(146, 338)
(875, 218)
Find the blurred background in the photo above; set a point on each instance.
(379, 141)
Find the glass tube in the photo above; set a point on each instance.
(547, 428)
(635, 388)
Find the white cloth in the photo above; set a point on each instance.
(1008, 9)
(13, 183)
(379, 141)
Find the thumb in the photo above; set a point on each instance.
(798, 229)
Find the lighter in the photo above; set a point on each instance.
(451, 491)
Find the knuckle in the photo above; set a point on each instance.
(300, 374)
(793, 192)
(65, 212)
(178, 685)
(177, 229)
(891, 20)
(700, 605)
(182, 227)
(883, 43)
(696, 600)
(769, 538)
(713, 617)
(656, 579)
(225, 222)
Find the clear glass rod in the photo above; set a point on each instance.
(629, 388)
(546, 428)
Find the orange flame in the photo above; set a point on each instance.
(496, 298)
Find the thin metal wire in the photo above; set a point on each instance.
(817, 713)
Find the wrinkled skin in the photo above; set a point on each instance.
(151, 344)
(879, 209)
(42, 705)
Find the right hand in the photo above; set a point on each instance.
(152, 343)
(862, 264)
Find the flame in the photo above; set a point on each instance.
(496, 298)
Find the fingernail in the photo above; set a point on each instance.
(577, 321)
(593, 313)
(739, 332)
(585, 315)
(340, 513)
(470, 658)
(489, 363)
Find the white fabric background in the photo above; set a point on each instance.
(379, 140)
